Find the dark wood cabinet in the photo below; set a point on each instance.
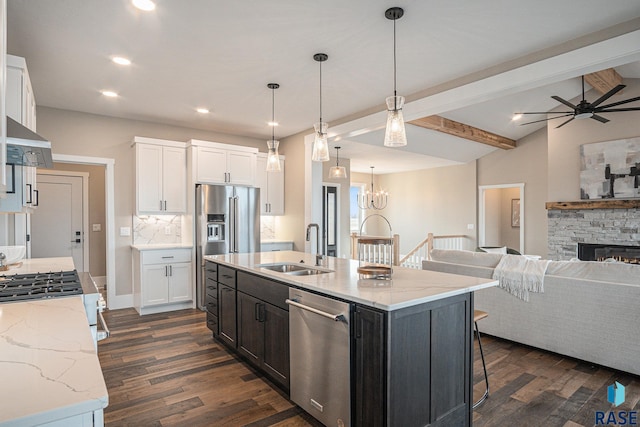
(368, 367)
(250, 328)
(227, 314)
(276, 344)
(413, 366)
(263, 327)
(211, 295)
(251, 316)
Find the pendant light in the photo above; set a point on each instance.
(337, 171)
(373, 199)
(320, 145)
(273, 159)
(395, 135)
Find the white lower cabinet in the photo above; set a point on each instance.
(162, 280)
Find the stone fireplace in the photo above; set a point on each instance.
(600, 222)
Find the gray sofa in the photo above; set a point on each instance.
(588, 310)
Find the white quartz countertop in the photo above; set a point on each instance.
(407, 288)
(155, 247)
(40, 265)
(49, 369)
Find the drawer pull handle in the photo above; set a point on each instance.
(167, 257)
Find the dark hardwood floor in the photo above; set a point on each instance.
(166, 370)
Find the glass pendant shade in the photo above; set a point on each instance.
(338, 172)
(395, 135)
(320, 145)
(273, 158)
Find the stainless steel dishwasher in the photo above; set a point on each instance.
(319, 345)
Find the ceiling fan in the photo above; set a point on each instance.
(587, 110)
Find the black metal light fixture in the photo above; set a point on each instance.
(395, 135)
(320, 145)
(273, 159)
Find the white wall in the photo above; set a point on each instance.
(439, 201)
(527, 163)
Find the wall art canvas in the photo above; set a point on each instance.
(610, 170)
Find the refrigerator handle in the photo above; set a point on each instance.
(235, 227)
(232, 225)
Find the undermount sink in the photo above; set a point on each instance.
(293, 269)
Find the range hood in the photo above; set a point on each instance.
(27, 148)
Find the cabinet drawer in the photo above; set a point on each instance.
(211, 304)
(211, 288)
(227, 276)
(166, 256)
(264, 289)
(212, 322)
(211, 270)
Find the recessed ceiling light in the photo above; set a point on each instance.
(202, 110)
(121, 60)
(110, 93)
(146, 5)
(516, 116)
(272, 123)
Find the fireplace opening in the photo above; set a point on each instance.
(602, 252)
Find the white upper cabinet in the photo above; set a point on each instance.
(20, 102)
(271, 186)
(161, 176)
(215, 163)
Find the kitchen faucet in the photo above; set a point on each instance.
(319, 257)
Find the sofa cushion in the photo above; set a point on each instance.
(614, 272)
(480, 259)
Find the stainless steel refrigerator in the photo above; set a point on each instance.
(227, 221)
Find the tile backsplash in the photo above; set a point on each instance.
(267, 228)
(157, 229)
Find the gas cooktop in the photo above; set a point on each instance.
(20, 287)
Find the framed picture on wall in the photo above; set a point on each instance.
(515, 212)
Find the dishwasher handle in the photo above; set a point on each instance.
(334, 317)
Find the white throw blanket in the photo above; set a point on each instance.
(520, 275)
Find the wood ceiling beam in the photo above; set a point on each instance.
(603, 81)
(465, 131)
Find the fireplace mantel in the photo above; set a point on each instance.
(595, 204)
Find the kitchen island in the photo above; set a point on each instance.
(411, 337)
(48, 363)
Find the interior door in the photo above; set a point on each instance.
(330, 220)
(57, 223)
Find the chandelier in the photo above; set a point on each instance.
(373, 199)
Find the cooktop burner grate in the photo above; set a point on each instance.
(39, 285)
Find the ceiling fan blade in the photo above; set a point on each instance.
(599, 118)
(559, 126)
(626, 101)
(545, 120)
(548, 112)
(607, 95)
(567, 103)
(611, 110)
